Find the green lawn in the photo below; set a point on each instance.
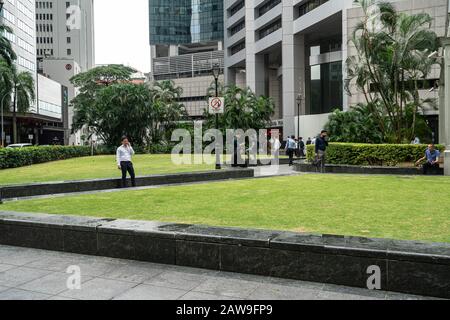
(413, 208)
(91, 168)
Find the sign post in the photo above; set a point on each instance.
(217, 106)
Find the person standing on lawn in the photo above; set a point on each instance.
(291, 145)
(321, 146)
(124, 157)
(432, 156)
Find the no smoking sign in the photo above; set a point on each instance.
(216, 105)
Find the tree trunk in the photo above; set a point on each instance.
(14, 120)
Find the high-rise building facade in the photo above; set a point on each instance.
(185, 21)
(65, 45)
(186, 39)
(295, 51)
(65, 29)
(19, 15)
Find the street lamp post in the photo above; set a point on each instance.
(299, 103)
(2, 2)
(1, 120)
(216, 74)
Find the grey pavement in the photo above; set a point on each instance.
(30, 274)
(275, 171)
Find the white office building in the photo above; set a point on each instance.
(288, 49)
(65, 30)
(65, 45)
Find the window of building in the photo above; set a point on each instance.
(326, 88)
(266, 7)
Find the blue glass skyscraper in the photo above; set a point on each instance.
(175, 22)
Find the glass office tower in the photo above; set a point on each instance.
(186, 43)
(185, 21)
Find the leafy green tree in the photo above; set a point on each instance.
(92, 80)
(243, 110)
(111, 106)
(89, 84)
(392, 57)
(122, 109)
(6, 51)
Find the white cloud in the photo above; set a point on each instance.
(122, 33)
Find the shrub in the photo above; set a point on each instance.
(159, 149)
(372, 154)
(14, 158)
(357, 125)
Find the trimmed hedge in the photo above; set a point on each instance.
(372, 154)
(14, 158)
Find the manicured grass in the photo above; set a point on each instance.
(411, 208)
(91, 168)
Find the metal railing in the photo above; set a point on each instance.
(189, 65)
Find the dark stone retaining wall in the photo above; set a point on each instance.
(332, 168)
(409, 267)
(39, 189)
(281, 161)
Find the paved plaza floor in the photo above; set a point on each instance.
(30, 274)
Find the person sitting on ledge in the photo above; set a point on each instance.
(432, 157)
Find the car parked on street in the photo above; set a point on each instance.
(19, 146)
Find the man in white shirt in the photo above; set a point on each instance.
(291, 145)
(124, 162)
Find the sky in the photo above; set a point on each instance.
(121, 33)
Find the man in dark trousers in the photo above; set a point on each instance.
(290, 149)
(301, 147)
(124, 155)
(432, 157)
(321, 146)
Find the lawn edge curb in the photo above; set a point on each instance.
(404, 266)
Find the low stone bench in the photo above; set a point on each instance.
(404, 266)
(347, 169)
(48, 188)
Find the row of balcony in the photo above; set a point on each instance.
(267, 19)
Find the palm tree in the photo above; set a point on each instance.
(6, 51)
(167, 91)
(392, 56)
(6, 78)
(166, 109)
(244, 110)
(23, 95)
